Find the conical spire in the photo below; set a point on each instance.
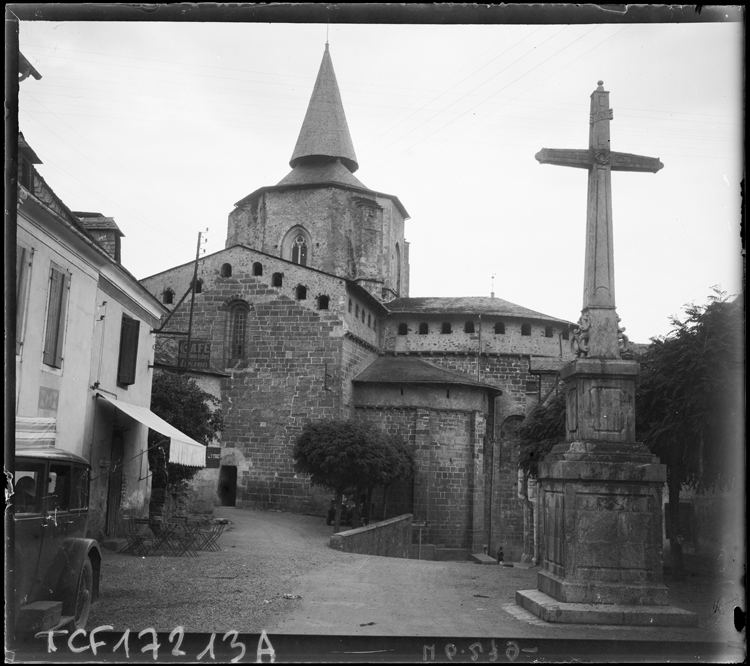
(325, 133)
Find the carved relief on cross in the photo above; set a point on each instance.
(599, 335)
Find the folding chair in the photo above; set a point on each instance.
(162, 531)
(138, 542)
(185, 537)
(210, 537)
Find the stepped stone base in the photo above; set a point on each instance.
(551, 610)
(482, 558)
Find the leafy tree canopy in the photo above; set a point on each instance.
(539, 432)
(179, 400)
(690, 398)
(343, 455)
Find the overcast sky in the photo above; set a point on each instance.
(164, 126)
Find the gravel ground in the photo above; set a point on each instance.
(240, 587)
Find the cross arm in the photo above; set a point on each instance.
(579, 159)
(629, 162)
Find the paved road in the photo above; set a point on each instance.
(267, 555)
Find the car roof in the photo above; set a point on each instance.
(58, 455)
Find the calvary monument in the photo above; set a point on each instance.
(601, 491)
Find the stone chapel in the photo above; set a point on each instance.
(306, 314)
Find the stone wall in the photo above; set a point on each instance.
(352, 233)
(389, 538)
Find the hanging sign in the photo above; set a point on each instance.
(200, 354)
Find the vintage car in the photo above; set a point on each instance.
(56, 572)
(347, 512)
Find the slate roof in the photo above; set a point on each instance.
(97, 222)
(466, 305)
(321, 174)
(325, 131)
(389, 369)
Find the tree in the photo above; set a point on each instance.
(344, 456)
(178, 400)
(539, 432)
(690, 402)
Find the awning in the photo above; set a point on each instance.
(35, 432)
(182, 450)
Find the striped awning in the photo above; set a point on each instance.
(35, 432)
(182, 449)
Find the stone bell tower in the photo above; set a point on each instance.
(320, 215)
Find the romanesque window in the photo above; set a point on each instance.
(226, 270)
(257, 269)
(446, 327)
(369, 322)
(469, 327)
(323, 302)
(301, 292)
(237, 331)
(547, 331)
(168, 297)
(299, 250)
(403, 329)
(424, 329)
(277, 279)
(565, 334)
(499, 328)
(350, 305)
(363, 315)
(198, 286)
(356, 311)
(525, 329)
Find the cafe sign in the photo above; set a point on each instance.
(200, 354)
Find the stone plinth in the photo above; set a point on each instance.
(600, 509)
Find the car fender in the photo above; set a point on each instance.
(63, 574)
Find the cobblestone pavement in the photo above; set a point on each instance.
(276, 573)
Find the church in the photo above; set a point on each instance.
(306, 314)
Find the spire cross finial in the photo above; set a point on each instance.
(599, 332)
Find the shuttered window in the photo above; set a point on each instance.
(128, 351)
(23, 270)
(55, 329)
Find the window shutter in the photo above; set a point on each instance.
(21, 273)
(53, 340)
(128, 351)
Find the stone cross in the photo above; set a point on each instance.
(599, 334)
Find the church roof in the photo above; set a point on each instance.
(389, 369)
(466, 305)
(325, 132)
(319, 174)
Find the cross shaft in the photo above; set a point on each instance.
(599, 332)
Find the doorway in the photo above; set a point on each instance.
(228, 485)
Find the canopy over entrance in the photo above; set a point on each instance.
(182, 450)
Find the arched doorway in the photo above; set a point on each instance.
(227, 485)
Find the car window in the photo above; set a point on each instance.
(79, 495)
(58, 488)
(28, 487)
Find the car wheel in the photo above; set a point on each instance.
(84, 591)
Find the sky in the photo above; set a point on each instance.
(165, 125)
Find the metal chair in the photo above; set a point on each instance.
(210, 537)
(138, 542)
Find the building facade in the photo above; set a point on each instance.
(306, 314)
(84, 335)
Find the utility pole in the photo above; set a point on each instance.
(192, 301)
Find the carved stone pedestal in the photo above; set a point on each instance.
(600, 509)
